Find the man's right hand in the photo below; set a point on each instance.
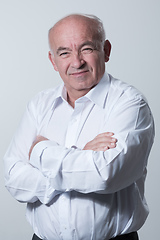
(101, 142)
(37, 140)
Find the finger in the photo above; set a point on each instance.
(112, 145)
(105, 134)
(105, 142)
(105, 148)
(113, 140)
(104, 137)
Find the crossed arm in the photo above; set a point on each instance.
(101, 142)
(105, 171)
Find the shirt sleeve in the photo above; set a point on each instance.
(25, 182)
(102, 172)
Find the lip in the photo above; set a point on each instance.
(79, 73)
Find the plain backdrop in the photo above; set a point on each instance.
(133, 28)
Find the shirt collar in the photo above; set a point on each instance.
(58, 96)
(97, 95)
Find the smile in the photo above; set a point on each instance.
(79, 73)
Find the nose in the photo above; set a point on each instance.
(77, 61)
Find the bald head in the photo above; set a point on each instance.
(93, 23)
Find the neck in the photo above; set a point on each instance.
(71, 102)
(71, 97)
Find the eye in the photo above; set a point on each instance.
(64, 54)
(87, 50)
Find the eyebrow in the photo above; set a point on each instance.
(60, 49)
(90, 43)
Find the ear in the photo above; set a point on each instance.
(107, 50)
(51, 58)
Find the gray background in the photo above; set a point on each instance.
(133, 27)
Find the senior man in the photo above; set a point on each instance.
(80, 154)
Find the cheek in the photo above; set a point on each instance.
(95, 61)
(62, 68)
(96, 66)
(100, 63)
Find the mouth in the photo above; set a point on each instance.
(79, 74)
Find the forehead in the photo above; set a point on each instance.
(71, 32)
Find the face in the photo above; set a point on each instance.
(77, 56)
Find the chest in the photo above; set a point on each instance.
(73, 127)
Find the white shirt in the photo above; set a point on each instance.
(82, 194)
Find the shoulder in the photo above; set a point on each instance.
(123, 97)
(122, 90)
(46, 95)
(45, 99)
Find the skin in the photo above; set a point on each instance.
(79, 57)
(101, 142)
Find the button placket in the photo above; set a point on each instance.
(64, 214)
(73, 126)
